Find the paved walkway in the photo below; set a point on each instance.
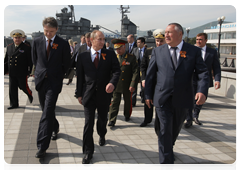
(212, 143)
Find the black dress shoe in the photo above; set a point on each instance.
(54, 135)
(69, 82)
(40, 154)
(102, 141)
(188, 124)
(111, 123)
(30, 98)
(197, 121)
(143, 124)
(87, 158)
(127, 119)
(12, 107)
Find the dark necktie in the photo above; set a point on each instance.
(96, 60)
(174, 56)
(130, 47)
(49, 47)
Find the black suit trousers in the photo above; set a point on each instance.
(89, 112)
(48, 122)
(171, 120)
(16, 82)
(196, 109)
(148, 112)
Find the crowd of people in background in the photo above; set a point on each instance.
(174, 77)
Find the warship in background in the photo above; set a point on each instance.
(69, 28)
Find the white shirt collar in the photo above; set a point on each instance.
(179, 45)
(204, 48)
(94, 52)
(51, 38)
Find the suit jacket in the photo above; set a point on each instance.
(54, 66)
(81, 49)
(18, 62)
(176, 83)
(91, 79)
(127, 47)
(129, 73)
(144, 64)
(212, 61)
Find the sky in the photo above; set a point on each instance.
(29, 17)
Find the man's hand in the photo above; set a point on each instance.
(131, 89)
(149, 102)
(143, 83)
(201, 98)
(80, 100)
(217, 85)
(109, 88)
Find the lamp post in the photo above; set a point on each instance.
(187, 29)
(220, 21)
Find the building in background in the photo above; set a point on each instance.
(228, 37)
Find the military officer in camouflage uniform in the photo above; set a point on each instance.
(127, 82)
(18, 64)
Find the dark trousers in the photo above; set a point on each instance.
(16, 82)
(114, 108)
(171, 120)
(89, 112)
(48, 122)
(196, 108)
(148, 112)
(134, 96)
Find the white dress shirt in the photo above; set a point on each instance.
(93, 54)
(203, 50)
(177, 50)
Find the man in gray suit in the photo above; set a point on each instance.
(168, 86)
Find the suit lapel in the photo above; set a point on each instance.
(101, 59)
(43, 46)
(168, 57)
(184, 48)
(54, 47)
(206, 54)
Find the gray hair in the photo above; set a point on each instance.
(178, 27)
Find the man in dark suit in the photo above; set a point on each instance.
(51, 57)
(171, 67)
(141, 52)
(18, 64)
(108, 46)
(211, 59)
(98, 72)
(131, 43)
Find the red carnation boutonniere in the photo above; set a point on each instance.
(124, 63)
(183, 54)
(103, 56)
(54, 46)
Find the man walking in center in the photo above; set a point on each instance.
(98, 72)
(211, 59)
(127, 82)
(171, 67)
(51, 57)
